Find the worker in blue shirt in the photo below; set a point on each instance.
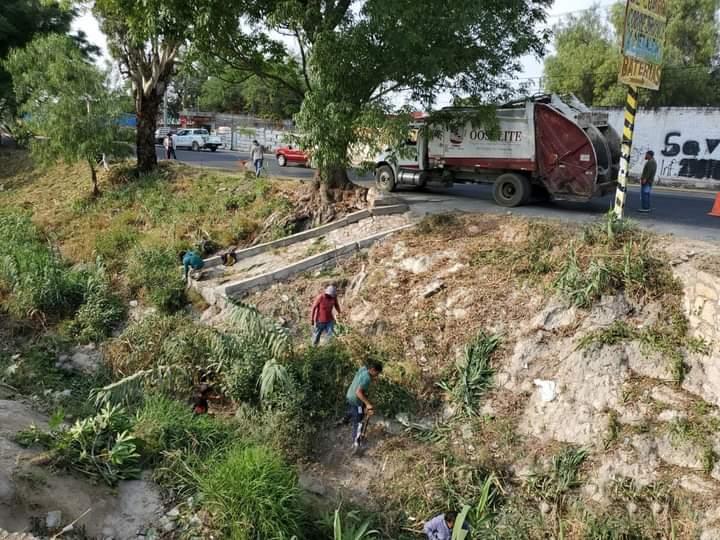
(441, 527)
(190, 259)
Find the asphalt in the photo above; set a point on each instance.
(680, 212)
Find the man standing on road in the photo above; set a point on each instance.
(358, 403)
(169, 143)
(321, 315)
(646, 180)
(256, 156)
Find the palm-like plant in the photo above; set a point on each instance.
(351, 526)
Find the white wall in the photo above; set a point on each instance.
(686, 142)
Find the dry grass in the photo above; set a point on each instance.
(178, 205)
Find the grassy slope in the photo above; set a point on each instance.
(177, 206)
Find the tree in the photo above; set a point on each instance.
(20, 22)
(354, 54)
(587, 57)
(146, 37)
(65, 103)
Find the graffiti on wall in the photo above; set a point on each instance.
(689, 158)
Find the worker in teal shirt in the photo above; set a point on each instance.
(190, 259)
(358, 403)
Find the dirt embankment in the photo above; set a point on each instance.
(621, 379)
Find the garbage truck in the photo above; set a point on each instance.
(546, 146)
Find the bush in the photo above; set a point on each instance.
(253, 494)
(164, 425)
(99, 446)
(100, 310)
(38, 281)
(156, 272)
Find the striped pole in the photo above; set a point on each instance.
(631, 105)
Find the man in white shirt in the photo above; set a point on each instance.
(256, 156)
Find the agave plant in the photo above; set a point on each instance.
(351, 527)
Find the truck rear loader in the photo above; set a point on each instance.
(546, 146)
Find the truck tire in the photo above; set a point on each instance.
(195, 146)
(385, 178)
(213, 148)
(511, 189)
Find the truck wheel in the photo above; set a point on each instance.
(511, 190)
(281, 160)
(213, 148)
(385, 178)
(195, 146)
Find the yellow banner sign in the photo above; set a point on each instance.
(643, 41)
(638, 73)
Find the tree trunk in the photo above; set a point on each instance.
(333, 180)
(147, 111)
(93, 176)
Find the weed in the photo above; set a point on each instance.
(613, 429)
(156, 272)
(252, 494)
(100, 311)
(473, 373)
(38, 281)
(618, 332)
(100, 446)
(699, 431)
(165, 425)
(348, 526)
(611, 528)
(554, 483)
(437, 223)
(319, 245)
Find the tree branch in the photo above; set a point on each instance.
(303, 59)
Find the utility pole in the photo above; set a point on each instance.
(642, 49)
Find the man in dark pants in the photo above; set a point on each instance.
(358, 403)
(646, 181)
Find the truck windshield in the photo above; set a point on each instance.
(201, 132)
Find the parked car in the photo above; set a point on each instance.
(160, 134)
(197, 139)
(288, 155)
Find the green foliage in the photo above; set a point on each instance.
(37, 279)
(252, 494)
(41, 284)
(378, 43)
(21, 21)
(348, 526)
(101, 309)
(473, 373)
(66, 101)
(164, 425)
(100, 447)
(155, 272)
(587, 57)
(560, 478)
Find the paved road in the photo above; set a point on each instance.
(680, 212)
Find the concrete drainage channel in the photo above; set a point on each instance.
(217, 290)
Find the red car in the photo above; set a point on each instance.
(288, 155)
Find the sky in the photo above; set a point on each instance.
(531, 67)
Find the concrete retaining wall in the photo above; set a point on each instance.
(312, 233)
(239, 288)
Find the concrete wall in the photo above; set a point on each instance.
(686, 142)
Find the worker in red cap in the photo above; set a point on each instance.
(321, 316)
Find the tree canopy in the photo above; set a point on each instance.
(65, 102)
(20, 22)
(354, 55)
(587, 57)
